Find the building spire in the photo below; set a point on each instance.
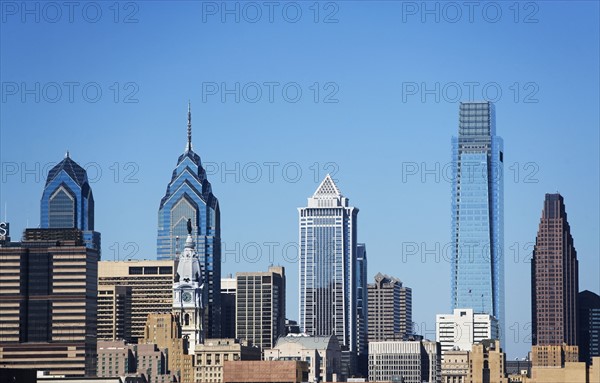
(189, 127)
(67, 154)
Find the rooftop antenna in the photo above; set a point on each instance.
(189, 127)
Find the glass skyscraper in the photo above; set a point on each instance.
(478, 213)
(189, 196)
(327, 252)
(68, 202)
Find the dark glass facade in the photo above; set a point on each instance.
(588, 325)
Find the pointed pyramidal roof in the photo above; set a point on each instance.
(327, 188)
(72, 168)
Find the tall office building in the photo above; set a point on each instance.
(327, 256)
(390, 309)
(478, 213)
(48, 289)
(260, 306)
(114, 313)
(588, 325)
(189, 196)
(463, 328)
(554, 278)
(151, 284)
(362, 307)
(228, 292)
(67, 201)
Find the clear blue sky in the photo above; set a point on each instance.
(376, 61)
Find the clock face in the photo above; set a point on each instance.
(186, 297)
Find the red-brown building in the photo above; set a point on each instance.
(554, 278)
(280, 371)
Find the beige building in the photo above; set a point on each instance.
(116, 358)
(163, 330)
(486, 363)
(323, 354)
(48, 289)
(267, 371)
(455, 366)
(211, 355)
(554, 356)
(114, 313)
(151, 284)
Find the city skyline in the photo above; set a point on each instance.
(393, 150)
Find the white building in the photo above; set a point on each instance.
(464, 328)
(404, 361)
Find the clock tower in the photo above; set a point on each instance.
(188, 305)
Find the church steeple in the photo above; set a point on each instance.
(189, 128)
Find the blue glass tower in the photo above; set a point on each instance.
(478, 213)
(68, 202)
(189, 196)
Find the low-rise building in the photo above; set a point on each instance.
(323, 354)
(267, 371)
(405, 361)
(554, 356)
(486, 363)
(211, 355)
(464, 328)
(455, 366)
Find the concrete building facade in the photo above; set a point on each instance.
(323, 354)
(464, 328)
(151, 284)
(114, 313)
(404, 361)
(211, 356)
(265, 371)
(260, 306)
(48, 295)
(390, 309)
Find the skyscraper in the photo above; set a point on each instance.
(554, 278)
(478, 213)
(362, 306)
(327, 256)
(260, 306)
(189, 196)
(48, 307)
(390, 309)
(151, 284)
(67, 201)
(588, 325)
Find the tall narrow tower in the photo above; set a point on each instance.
(328, 266)
(478, 213)
(188, 305)
(554, 278)
(189, 196)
